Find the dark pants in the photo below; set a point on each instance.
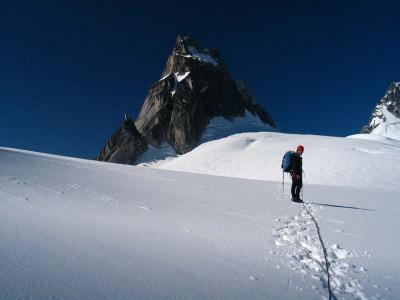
(297, 184)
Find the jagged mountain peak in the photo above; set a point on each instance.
(183, 42)
(187, 45)
(394, 85)
(188, 53)
(392, 99)
(195, 88)
(385, 118)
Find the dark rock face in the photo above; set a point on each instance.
(125, 145)
(195, 87)
(389, 102)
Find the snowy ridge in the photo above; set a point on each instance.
(327, 160)
(220, 127)
(385, 120)
(202, 56)
(198, 55)
(217, 128)
(386, 124)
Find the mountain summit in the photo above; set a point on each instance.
(195, 87)
(385, 118)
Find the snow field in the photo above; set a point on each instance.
(306, 255)
(73, 228)
(327, 160)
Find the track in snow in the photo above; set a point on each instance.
(299, 238)
(327, 267)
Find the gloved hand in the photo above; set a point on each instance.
(296, 177)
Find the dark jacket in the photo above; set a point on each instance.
(297, 164)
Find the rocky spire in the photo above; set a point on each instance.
(194, 88)
(182, 44)
(386, 114)
(188, 50)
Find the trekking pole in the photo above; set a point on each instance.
(283, 181)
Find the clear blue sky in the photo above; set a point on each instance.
(69, 70)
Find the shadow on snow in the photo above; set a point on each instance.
(341, 206)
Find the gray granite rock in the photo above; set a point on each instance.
(195, 87)
(125, 145)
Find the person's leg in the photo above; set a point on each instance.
(299, 185)
(293, 190)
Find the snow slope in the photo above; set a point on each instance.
(218, 128)
(353, 161)
(385, 119)
(390, 127)
(74, 229)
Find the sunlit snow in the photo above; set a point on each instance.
(79, 229)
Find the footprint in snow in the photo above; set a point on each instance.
(299, 237)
